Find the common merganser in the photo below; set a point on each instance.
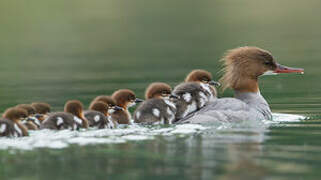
(42, 109)
(30, 122)
(125, 99)
(191, 97)
(243, 67)
(11, 125)
(99, 113)
(158, 106)
(72, 118)
(205, 79)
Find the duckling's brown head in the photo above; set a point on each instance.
(74, 107)
(106, 99)
(244, 65)
(41, 107)
(100, 107)
(31, 111)
(158, 90)
(125, 98)
(15, 114)
(201, 76)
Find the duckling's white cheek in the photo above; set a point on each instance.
(138, 115)
(59, 121)
(17, 129)
(187, 97)
(111, 111)
(3, 128)
(97, 118)
(156, 112)
(206, 87)
(77, 120)
(131, 104)
(170, 104)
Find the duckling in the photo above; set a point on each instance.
(99, 115)
(191, 97)
(72, 118)
(10, 124)
(106, 99)
(125, 99)
(30, 122)
(42, 109)
(158, 106)
(205, 79)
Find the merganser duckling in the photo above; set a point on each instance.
(205, 79)
(42, 109)
(191, 96)
(243, 67)
(30, 122)
(125, 99)
(11, 125)
(99, 115)
(106, 99)
(72, 117)
(158, 107)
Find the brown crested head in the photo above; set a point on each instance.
(99, 106)
(41, 107)
(15, 114)
(31, 111)
(158, 90)
(123, 97)
(199, 75)
(74, 107)
(243, 66)
(106, 99)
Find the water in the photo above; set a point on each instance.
(56, 51)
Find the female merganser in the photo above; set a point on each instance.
(191, 96)
(205, 79)
(31, 122)
(11, 125)
(125, 99)
(42, 109)
(72, 117)
(243, 67)
(99, 113)
(158, 106)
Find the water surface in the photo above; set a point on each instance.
(60, 50)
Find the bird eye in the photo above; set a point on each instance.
(267, 63)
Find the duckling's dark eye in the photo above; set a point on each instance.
(268, 63)
(205, 80)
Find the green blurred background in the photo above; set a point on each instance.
(77, 49)
(58, 50)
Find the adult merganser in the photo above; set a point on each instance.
(205, 79)
(158, 107)
(125, 99)
(72, 117)
(243, 67)
(191, 97)
(99, 113)
(11, 125)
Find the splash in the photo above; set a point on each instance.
(62, 139)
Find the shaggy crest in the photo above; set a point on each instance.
(245, 64)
